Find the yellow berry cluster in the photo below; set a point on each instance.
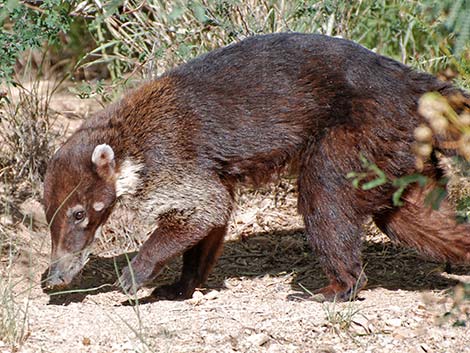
(447, 126)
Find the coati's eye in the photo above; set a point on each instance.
(79, 216)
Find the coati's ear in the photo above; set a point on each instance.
(103, 159)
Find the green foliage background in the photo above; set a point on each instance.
(146, 37)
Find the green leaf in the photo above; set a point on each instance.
(396, 197)
(410, 179)
(459, 323)
(403, 182)
(435, 197)
(176, 13)
(374, 183)
(356, 178)
(364, 161)
(7, 9)
(200, 13)
(380, 180)
(355, 183)
(351, 175)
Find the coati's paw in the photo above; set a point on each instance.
(339, 293)
(175, 291)
(129, 282)
(331, 294)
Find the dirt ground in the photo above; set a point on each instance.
(256, 300)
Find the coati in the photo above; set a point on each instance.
(179, 145)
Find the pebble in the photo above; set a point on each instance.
(258, 339)
(394, 322)
(213, 294)
(362, 325)
(6, 220)
(402, 333)
(197, 298)
(197, 295)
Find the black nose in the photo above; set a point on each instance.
(55, 280)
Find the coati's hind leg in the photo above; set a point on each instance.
(334, 212)
(197, 264)
(432, 232)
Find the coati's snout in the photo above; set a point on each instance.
(70, 251)
(63, 270)
(77, 201)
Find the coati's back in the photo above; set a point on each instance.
(251, 107)
(248, 109)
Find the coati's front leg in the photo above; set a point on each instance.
(197, 229)
(198, 261)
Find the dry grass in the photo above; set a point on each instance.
(152, 36)
(27, 139)
(13, 311)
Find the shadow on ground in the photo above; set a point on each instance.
(276, 254)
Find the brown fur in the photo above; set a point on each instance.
(432, 232)
(242, 114)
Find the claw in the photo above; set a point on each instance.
(128, 282)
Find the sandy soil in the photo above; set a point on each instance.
(256, 300)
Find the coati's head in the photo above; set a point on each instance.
(79, 195)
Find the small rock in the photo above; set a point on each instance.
(326, 349)
(6, 220)
(128, 346)
(361, 325)
(247, 218)
(197, 295)
(403, 333)
(275, 348)
(393, 322)
(86, 341)
(197, 298)
(213, 294)
(258, 339)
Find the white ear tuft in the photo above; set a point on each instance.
(102, 155)
(103, 159)
(98, 206)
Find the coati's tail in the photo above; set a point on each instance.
(433, 232)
